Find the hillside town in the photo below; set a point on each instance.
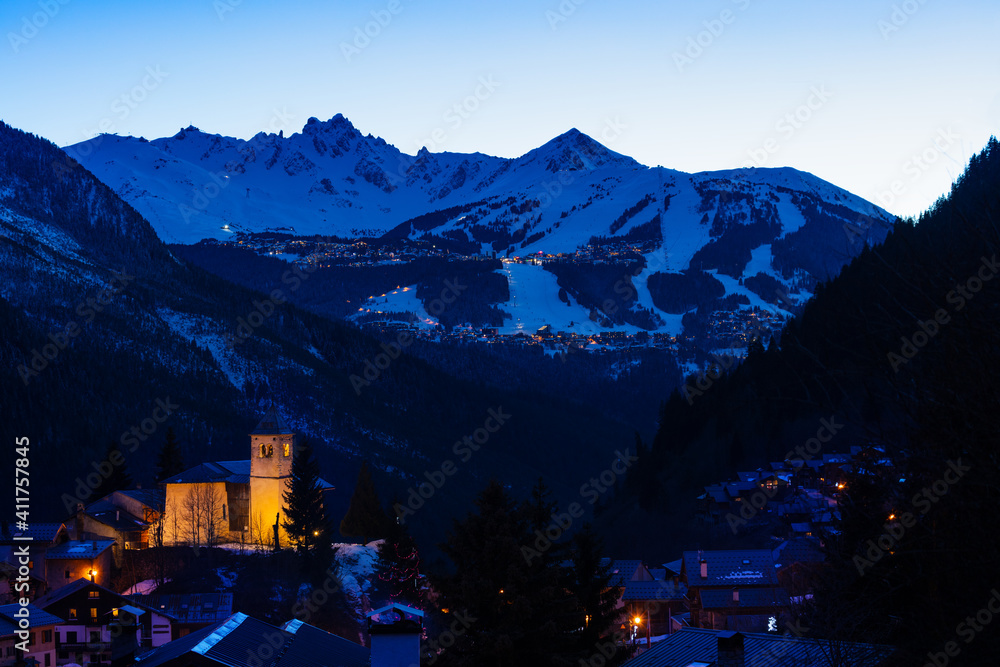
(83, 606)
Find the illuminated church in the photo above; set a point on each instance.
(235, 501)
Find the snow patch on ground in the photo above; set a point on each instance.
(534, 302)
(145, 587)
(399, 300)
(760, 262)
(202, 332)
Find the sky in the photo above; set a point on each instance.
(886, 98)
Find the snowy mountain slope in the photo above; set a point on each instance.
(331, 179)
(569, 194)
(103, 326)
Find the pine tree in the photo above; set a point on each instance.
(505, 578)
(170, 462)
(119, 478)
(398, 567)
(365, 517)
(597, 600)
(306, 520)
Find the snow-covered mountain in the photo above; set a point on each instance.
(103, 326)
(783, 228)
(331, 179)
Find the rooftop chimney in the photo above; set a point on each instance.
(731, 652)
(79, 521)
(395, 644)
(704, 569)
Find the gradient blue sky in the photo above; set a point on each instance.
(926, 73)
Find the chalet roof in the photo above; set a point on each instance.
(189, 607)
(717, 492)
(313, 646)
(36, 532)
(695, 645)
(237, 640)
(800, 550)
(402, 608)
(73, 549)
(737, 489)
(621, 571)
(738, 567)
(272, 423)
(653, 590)
(106, 512)
(36, 618)
(152, 498)
(748, 597)
(81, 584)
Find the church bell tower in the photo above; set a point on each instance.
(272, 449)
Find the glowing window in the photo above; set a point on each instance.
(288, 449)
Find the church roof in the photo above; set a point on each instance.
(272, 423)
(237, 472)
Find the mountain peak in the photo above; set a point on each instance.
(573, 151)
(337, 125)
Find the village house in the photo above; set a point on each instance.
(188, 611)
(74, 559)
(129, 517)
(693, 647)
(38, 538)
(733, 590)
(41, 643)
(87, 611)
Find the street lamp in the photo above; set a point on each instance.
(93, 575)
